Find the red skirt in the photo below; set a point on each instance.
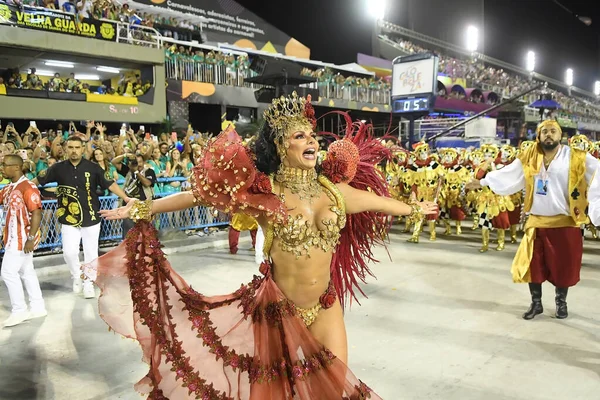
(457, 214)
(501, 221)
(557, 254)
(514, 216)
(250, 344)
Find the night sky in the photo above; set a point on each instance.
(335, 30)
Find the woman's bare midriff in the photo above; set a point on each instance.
(302, 280)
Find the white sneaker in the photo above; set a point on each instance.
(38, 314)
(88, 290)
(16, 318)
(77, 285)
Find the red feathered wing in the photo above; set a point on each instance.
(226, 178)
(353, 160)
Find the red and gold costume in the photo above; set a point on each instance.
(452, 194)
(425, 178)
(556, 193)
(507, 155)
(398, 177)
(239, 223)
(583, 143)
(253, 343)
(492, 208)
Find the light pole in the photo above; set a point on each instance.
(597, 88)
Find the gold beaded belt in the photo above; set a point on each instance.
(327, 299)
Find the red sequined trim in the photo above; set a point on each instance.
(362, 392)
(149, 273)
(327, 299)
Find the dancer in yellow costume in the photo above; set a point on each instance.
(452, 201)
(492, 208)
(425, 175)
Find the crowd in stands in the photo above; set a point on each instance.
(174, 27)
(127, 85)
(506, 84)
(168, 155)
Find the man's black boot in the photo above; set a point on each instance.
(536, 301)
(561, 303)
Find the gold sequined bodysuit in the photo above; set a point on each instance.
(298, 236)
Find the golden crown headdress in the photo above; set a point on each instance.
(490, 149)
(580, 142)
(509, 151)
(422, 145)
(288, 112)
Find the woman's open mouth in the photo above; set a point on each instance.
(309, 154)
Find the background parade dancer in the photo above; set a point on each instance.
(78, 208)
(22, 204)
(555, 179)
(425, 178)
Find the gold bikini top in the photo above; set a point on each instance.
(298, 236)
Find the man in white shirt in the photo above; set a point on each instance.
(556, 180)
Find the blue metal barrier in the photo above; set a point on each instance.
(112, 231)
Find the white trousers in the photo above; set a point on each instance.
(71, 237)
(260, 242)
(17, 266)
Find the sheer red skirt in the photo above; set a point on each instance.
(246, 345)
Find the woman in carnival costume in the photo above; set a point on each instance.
(282, 336)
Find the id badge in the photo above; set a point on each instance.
(541, 187)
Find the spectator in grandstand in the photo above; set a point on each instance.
(140, 179)
(77, 180)
(84, 9)
(67, 6)
(22, 204)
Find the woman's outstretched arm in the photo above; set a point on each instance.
(175, 202)
(358, 201)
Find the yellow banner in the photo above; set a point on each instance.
(110, 99)
(449, 82)
(3, 89)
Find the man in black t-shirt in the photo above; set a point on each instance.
(139, 183)
(78, 208)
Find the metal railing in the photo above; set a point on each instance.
(185, 68)
(112, 231)
(138, 35)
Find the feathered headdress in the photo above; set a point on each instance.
(353, 160)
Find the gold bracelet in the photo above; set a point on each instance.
(141, 211)
(416, 213)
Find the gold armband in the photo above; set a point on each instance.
(141, 211)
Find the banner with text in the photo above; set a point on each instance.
(58, 22)
(230, 22)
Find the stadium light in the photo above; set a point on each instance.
(530, 61)
(60, 64)
(569, 77)
(376, 8)
(472, 38)
(597, 88)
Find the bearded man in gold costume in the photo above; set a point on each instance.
(558, 181)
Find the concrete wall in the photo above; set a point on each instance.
(28, 108)
(62, 43)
